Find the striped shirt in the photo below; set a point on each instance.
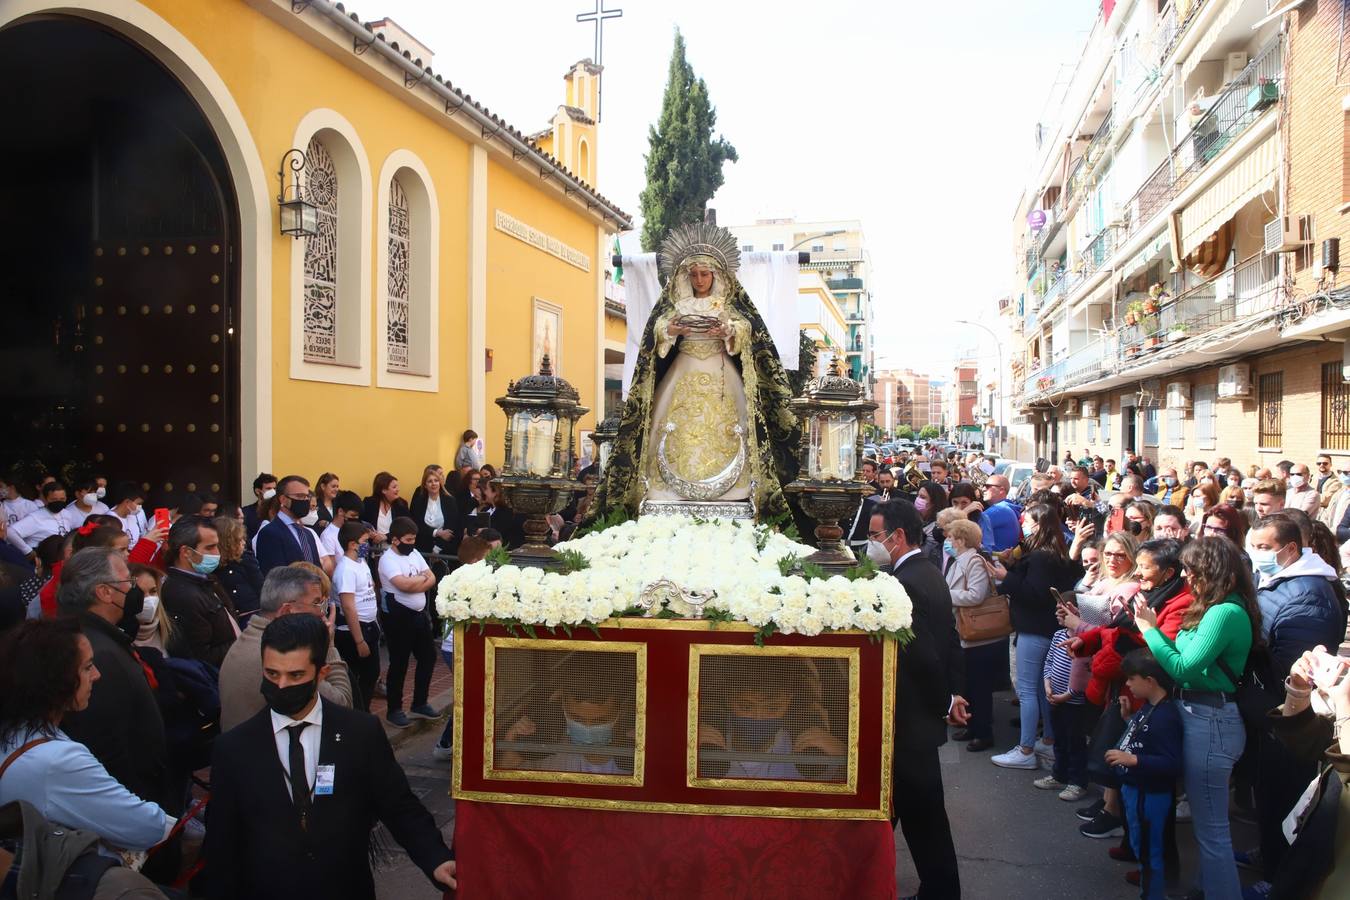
(1059, 667)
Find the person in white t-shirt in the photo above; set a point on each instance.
(15, 505)
(42, 522)
(86, 504)
(358, 632)
(405, 579)
(346, 507)
(128, 508)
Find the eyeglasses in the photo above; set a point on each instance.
(1214, 529)
(1109, 554)
(877, 535)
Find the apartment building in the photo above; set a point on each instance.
(905, 397)
(1172, 293)
(839, 252)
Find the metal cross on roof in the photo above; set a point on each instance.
(598, 17)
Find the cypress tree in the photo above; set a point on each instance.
(684, 166)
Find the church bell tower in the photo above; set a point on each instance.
(572, 135)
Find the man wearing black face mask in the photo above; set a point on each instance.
(297, 788)
(288, 540)
(122, 725)
(42, 522)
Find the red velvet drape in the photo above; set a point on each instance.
(533, 851)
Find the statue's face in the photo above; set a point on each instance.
(701, 280)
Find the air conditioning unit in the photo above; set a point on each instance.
(1282, 235)
(1117, 217)
(1069, 407)
(1179, 395)
(1233, 65)
(1235, 382)
(1089, 409)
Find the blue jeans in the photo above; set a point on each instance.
(1146, 814)
(1212, 741)
(1031, 652)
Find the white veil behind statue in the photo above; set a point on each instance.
(770, 278)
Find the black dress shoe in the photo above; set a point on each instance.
(962, 735)
(979, 745)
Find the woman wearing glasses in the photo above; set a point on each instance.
(1093, 622)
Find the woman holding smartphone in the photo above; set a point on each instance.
(1205, 660)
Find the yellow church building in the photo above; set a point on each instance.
(160, 325)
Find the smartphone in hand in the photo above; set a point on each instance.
(162, 519)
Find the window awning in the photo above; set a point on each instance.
(1250, 177)
(1212, 32)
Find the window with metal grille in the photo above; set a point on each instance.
(1176, 428)
(1206, 416)
(1151, 427)
(1335, 407)
(1106, 421)
(1073, 432)
(1270, 410)
(1091, 432)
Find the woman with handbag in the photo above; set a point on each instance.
(1044, 564)
(981, 622)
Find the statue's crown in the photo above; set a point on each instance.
(691, 242)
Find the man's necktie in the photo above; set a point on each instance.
(299, 782)
(306, 549)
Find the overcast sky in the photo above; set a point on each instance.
(914, 117)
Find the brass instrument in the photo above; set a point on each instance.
(976, 475)
(912, 477)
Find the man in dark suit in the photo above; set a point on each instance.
(296, 790)
(264, 488)
(927, 695)
(288, 539)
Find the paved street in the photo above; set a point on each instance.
(1014, 842)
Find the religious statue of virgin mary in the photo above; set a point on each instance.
(707, 416)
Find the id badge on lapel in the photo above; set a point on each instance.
(323, 780)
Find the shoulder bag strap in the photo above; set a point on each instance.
(9, 760)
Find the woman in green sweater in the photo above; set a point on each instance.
(1216, 634)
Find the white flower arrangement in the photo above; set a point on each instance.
(738, 570)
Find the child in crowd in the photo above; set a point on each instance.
(1148, 761)
(1066, 677)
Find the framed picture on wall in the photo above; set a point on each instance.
(547, 335)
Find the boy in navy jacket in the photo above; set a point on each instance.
(1148, 761)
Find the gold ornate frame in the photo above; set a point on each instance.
(637, 649)
(881, 812)
(850, 783)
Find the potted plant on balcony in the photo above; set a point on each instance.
(1045, 383)
(1177, 332)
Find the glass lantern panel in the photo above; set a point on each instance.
(834, 447)
(532, 442)
(604, 456)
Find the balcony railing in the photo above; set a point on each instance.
(846, 284)
(1240, 105)
(1098, 251)
(1249, 288)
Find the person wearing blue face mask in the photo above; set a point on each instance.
(751, 708)
(203, 623)
(1299, 611)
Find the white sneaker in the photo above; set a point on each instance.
(1048, 783)
(1073, 793)
(1183, 810)
(442, 753)
(1015, 759)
